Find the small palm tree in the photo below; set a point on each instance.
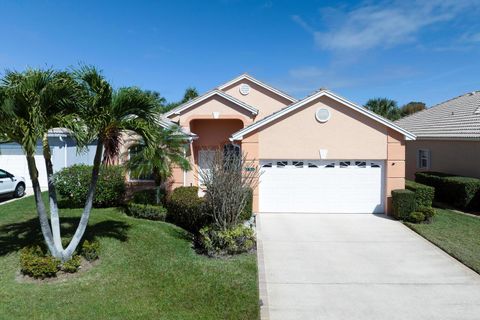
(385, 107)
(157, 156)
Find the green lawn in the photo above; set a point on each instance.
(148, 270)
(457, 234)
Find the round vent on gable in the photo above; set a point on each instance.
(244, 89)
(322, 115)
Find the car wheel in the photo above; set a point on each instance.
(19, 190)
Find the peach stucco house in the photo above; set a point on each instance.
(320, 154)
(448, 137)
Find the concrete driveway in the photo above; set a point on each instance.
(358, 266)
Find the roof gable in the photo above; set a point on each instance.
(259, 83)
(178, 110)
(289, 109)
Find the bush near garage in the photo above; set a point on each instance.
(423, 194)
(460, 192)
(146, 211)
(187, 210)
(215, 242)
(248, 210)
(403, 203)
(416, 217)
(72, 185)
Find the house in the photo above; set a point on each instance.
(321, 154)
(448, 137)
(64, 154)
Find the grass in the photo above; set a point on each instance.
(148, 270)
(457, 234)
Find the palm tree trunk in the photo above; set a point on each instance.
(52, 196)
(41, 211)
(77, 237)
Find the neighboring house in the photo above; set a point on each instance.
(64, 154)
(448, 137)
(320, 154)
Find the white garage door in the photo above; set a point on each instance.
(17, 165)
(326, 186)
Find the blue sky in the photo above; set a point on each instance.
(405, 50)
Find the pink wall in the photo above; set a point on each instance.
(455, 157)
(264, 100)
(347, 135)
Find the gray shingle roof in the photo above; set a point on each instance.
(458, 118)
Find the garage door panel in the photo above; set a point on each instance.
(326, 190)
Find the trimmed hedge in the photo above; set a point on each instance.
(423, 194)
(460, 192)
(146, 211)
(186, 209)
(403, 202)
(72, 184)
(148, 196)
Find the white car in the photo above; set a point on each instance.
(11, 184)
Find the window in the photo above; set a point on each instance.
(312, 165)
(297, 164)
(331, 165)
(423, 159)
(4, 174)
(344, 164)
(281, 164)
(374, 165)
(267, 165)
(361, 164)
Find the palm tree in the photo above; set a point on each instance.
(385, 107)
(157, 156)
(35, 101)
(30, 104)
(109, 115)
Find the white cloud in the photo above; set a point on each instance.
(385, 24)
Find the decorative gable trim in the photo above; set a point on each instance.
(178, 110)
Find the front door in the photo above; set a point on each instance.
(205, 158)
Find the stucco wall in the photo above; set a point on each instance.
(455, 157)
(395, 166)
(264, 100)
(347, 135)
(205, 109)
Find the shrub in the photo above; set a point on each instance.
(145, 197)
(72, 184)
(416, 217)
(35, 263)
(458, 191)
(247, 212)
(228, 183)
(90, 250)
(186, 209)
(146, 211)
(423, 194)
(231, 241)
(72, 265)
(403, 202)
(428, 212)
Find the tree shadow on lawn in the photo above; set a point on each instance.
(16, 236)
